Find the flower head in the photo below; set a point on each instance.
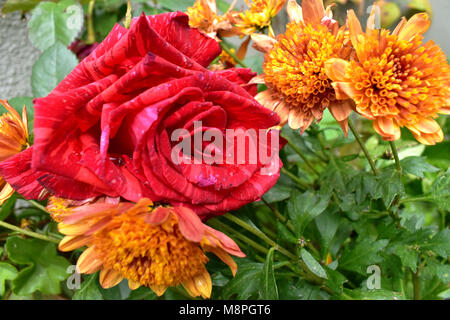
(155, 247)
(203, 15)
(394, 79)
(13, 140)
(294, 69)
(259, 15)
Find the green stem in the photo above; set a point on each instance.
(260, 235)
(298, 151)
(90, 23)
(416, 284)
(296, 179)
(418, 198)
(279, 216)
(38, 205)
(363, 147)
(227, 49)
(220, 225)
(396, 157)
(27, 232)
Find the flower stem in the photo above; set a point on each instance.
(396, 157)
(38, 205)
(90, 23)
(28, 233)
(363, 147)
(220, 225)
(227, 49)
(298, 151)
(300, 183)
(260, 235)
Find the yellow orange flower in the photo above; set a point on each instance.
(395, 80)
(294, 68)
(203, 15)
(259, 15)
(155, 247)
(13, 140)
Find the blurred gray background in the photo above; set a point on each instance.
(17, 55)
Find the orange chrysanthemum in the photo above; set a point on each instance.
(203, 16)
(395, 80)
(259, 15)
(13, 140)
(294, 68)
(155, 247)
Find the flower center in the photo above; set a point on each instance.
(295, 66)
(151, 255)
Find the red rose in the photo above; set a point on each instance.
(107, 127)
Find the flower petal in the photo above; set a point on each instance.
(417, 25)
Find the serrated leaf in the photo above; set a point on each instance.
(52, 22)
(44, 268)
(269, 285)
(378, 294)
(417, 166)
(53, 65)
(362, 255)
(335, 280)
(312, 264)
(304, 207)
(300, 290)
(442, 271)
(407, 255)
(246, 282)
(7, 272)
(440, 191)
(89, 290)
(389, 186)
(327, 223)
(440, 244)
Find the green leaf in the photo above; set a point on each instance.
(417, 166)
(177, 5)
(142, 293)
(278, 192)
(44, 268)
(442, 271)
(327, 223)
(18, 103)
(440, 244)
(7, 272)
(440, 191)
(55, 22)
(53, 65)
(312, 264)
(407, 255)
(362, 255)
(285, 234)
(223, 6)
(7, 207)
(269, 289)
(335, 280)
(89, 290)
(15, 5)
(378, 294)
(389, 186)
(300, 290)
(303, 208)
(246, 283)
